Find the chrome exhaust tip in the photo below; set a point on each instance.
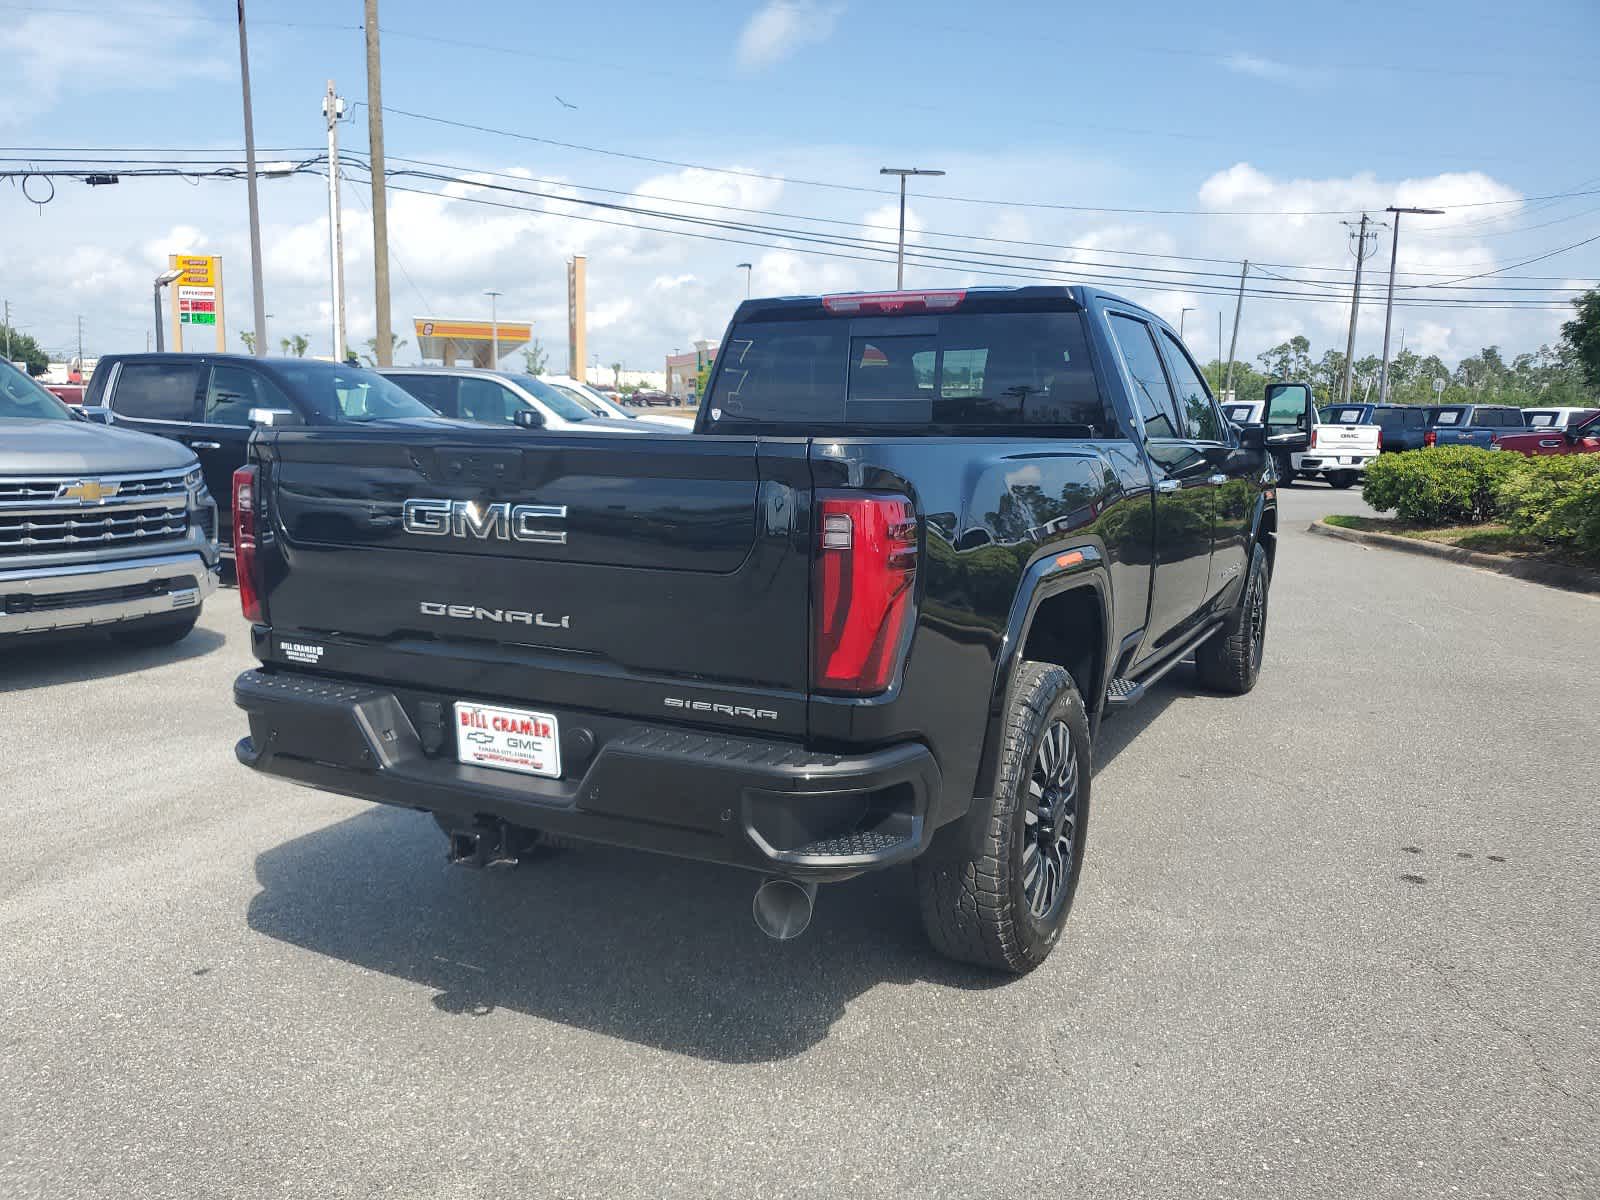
(782, 907)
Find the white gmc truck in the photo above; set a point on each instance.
(1340, 453)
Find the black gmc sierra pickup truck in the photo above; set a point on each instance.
(870, 612)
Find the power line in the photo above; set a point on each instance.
(949, 264)
(939, 197)
(1184, 277)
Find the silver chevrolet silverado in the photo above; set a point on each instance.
(100, 528)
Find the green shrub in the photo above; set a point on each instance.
(1555, 499)
(1442, 485)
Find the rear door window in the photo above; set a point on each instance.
(438, 392)
(1150, 390)
(152, 391)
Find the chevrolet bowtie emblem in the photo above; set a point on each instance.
(87, 491)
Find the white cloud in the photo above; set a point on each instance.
(780, 28)
(78, 52)
(1269, 69)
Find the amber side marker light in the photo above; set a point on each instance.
(1071, 559)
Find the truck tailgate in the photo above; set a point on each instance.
(639, 572)
(1346, 439)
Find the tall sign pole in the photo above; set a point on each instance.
(577, 315)
(380, 206)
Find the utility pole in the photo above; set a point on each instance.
(746, 268)
(380, 207)
(1238, 311)
(8, 330)
(257, 290)
(333, 110)
(1362, 254)
(1219, 349)
(1181, 318)
(900, 256)
(80, 342)
(1388, 308)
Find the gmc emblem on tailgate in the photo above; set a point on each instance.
(469, 518)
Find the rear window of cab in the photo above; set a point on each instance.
(969, 371)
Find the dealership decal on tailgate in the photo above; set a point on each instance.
(511, 739)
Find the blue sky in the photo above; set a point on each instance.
(1227, 110)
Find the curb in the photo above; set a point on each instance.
(1560, 575)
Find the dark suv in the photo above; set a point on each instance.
(213, 402)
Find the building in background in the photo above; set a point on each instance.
(472, 341)
(683, 371)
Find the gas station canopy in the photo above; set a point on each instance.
(458, 343)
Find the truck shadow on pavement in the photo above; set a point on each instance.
(636, 946)
(645, 948)
(50, 659)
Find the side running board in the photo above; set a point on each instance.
(1124, 692)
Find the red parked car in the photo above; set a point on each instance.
(67, 393)
(1574, 439)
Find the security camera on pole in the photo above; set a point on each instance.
(900, 257)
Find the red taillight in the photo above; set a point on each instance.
(894, 302)
(863, 581)
(1313, 444)
(245, 480)
(1380, 439)
(1431, 438)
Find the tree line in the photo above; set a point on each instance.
(1566, 374)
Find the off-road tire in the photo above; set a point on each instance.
(1286, 471)
(148, 633)
(1230, 660)
(970, 883)
(1341, 479)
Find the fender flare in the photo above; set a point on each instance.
(1048, 576)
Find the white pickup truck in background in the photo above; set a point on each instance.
(1303, 443)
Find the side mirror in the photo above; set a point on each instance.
(1252, 437)
(277, 418)
(528, 418)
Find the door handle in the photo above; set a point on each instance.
(1167, 486)
(1216, 480)
(205, 445)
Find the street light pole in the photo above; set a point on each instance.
(746, 267)
(1388, 309)
(162, 280)
(494, 329)
(257, 291)
(900, 254)
(1181, 317)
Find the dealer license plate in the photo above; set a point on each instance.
(508, 739)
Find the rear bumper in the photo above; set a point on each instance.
(765, 805)
(83, 595)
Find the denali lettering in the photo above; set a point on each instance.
(468, 518)
(502, 616)
(728, 710)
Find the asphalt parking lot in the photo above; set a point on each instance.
(1336, 938)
